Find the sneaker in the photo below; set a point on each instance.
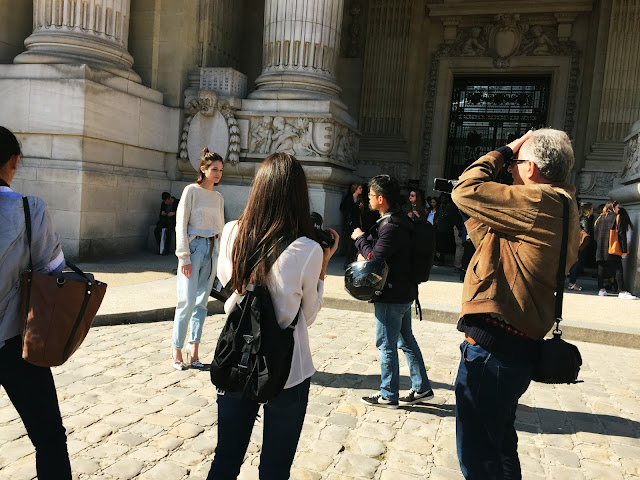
(602, 293)
(627, 296)
(416, 397)
(378, 400)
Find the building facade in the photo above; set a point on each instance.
(114, 99)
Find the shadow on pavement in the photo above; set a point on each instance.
(356, 381)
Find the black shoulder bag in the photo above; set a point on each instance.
(559, 361)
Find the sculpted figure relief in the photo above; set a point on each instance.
(472, 45)
(285, 137)
(538, 42)
(262, 136)
(632, 157)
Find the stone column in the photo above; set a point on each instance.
(301, 45)
(619, 100)
(92, 32)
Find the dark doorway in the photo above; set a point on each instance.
(489, 112)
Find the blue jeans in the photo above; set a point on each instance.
(393, 332)
(193, 292)
(488, 387)
(33, 393)
(283, 419)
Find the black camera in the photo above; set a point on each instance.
(443, 185)
(323, 237)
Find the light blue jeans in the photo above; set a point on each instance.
(393, 332)
(193, 292)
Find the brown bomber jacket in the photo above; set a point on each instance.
(517, 232)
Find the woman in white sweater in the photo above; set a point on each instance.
(277, 217)
(199, 223)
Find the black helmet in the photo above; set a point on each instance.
(365, 280)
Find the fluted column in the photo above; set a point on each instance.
(92, 32)
(300, 48)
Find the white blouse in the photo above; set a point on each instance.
(294, 284)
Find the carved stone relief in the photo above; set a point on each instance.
(355, 29)
(302, 137)
(507, 36)
(596, 184)
(216, 122)
(631, 169)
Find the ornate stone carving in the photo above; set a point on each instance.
(460, 48)
(353, 47)
(208, 104)
(504, 39)
(539, 42)
(474, 45)
(631, 169)
(595, 184)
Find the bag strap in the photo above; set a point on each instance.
(27, 221)
(563, 261)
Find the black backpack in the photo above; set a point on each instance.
(423, 248)
(253, 354)
(423, 244)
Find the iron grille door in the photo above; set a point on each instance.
(489, 112)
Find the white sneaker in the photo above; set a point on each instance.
(627, 296)
(602, 293)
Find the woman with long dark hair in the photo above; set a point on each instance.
(609, 263)
(199, 223)
(276, 225)
(31, 389)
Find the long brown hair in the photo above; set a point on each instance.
(206, 160)
(277, 213)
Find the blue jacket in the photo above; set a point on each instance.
(391, 241)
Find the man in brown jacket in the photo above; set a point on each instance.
(508, 295)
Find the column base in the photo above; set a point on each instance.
(77, 49)
(296, 86)
(95, 148)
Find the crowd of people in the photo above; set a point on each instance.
(509, 236)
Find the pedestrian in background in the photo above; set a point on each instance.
(199, 223)
(31, 389)
(585, 210)
(166, 222)
(611, 263)
(351, 208)
(276, 219)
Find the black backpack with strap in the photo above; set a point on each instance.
(253, 354)
(423, 247)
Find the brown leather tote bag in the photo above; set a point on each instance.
(56, 311)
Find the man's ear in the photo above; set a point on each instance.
(531, 171)
(13, 162)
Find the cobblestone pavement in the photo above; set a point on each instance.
(129, 415)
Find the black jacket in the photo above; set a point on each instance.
(391, 241)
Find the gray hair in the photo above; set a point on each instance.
(552, 153)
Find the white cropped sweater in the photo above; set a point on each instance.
(200, 214)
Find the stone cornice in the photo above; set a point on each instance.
(479, 7)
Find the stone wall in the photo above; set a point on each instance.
(16, 23)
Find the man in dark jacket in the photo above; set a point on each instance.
(392, 242)
(166, 219)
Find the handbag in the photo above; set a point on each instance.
(614, 242)
(558, 361)
(56, 310)
(585, 239)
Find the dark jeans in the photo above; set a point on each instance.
(171, 227)
(283, 419)
(33, 393)
(487, 389)
(576, 268)
(611, 267)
